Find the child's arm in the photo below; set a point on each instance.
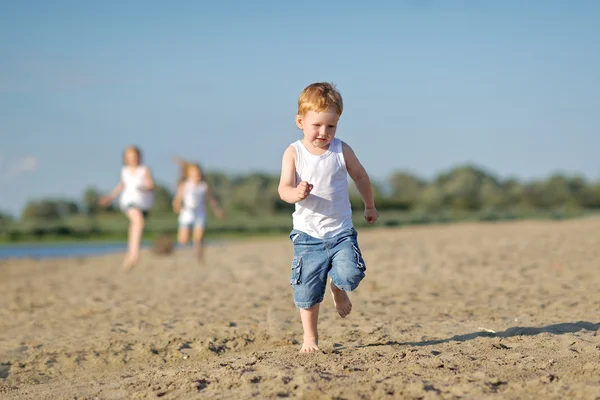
(177, 199)
(361, 180)
(182, 167)
(179, 161)
(106, 200)
(288, 190)
(214, 204)
(149, 179)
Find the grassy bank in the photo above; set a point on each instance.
(113, 227)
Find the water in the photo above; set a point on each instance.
(60, 250)
(68, 250)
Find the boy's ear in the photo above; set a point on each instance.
(299, 122)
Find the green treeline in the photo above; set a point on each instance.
(252, 204)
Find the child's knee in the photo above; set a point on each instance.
(348, 277)
(348, 267)
(198, 235)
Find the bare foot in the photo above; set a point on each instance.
(310, 345)
(340, 300)
(128, 263)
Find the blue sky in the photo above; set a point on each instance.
(512, 86)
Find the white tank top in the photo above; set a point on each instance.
(326, 211)
(134, 192)
(194, 195)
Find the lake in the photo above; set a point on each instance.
(61, 250)
(67, 250)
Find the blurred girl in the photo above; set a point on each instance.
(136, 190)
(190, 204)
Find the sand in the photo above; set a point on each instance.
(466, 311)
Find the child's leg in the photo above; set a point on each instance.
(136, 227)
(341, 301)
(199, 241)
(183, 235)
(347, 270)
(309, 280)
(310, 317)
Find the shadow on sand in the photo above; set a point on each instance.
(556, 329)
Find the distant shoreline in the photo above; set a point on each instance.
(62, 250)
(148, 239)
(253, 231)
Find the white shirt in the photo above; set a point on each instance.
(194, 196)
(326, 211)
(135, 193)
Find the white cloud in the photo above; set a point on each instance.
(12, 170)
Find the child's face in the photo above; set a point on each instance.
(319, 127)
(131, 157)
(194, 174)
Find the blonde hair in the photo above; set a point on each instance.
(319, 97)
(136, 150)
(191, 166)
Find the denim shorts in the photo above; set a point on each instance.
(314, 259)
(192, 219)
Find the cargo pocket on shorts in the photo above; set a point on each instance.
(296, 270)
(360, 263)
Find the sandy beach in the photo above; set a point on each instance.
(465, 311)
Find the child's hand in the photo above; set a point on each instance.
(304, 189)
(105, 201)
(178, 160)
(371, 215)
(219, 213)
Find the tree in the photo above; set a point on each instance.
(461, 186)
(67, 207)
(43, 209)
(162, 199)
(465, 187)
(491, 196)
(255, 194)
(515, 194)
(222, 187)
(588, 196)
(558, 191)
(49, 209)
(91, 197)
(5, 219)
(431, 198)
(406, 189)
(536, 195)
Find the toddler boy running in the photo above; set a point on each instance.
(314, 177)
